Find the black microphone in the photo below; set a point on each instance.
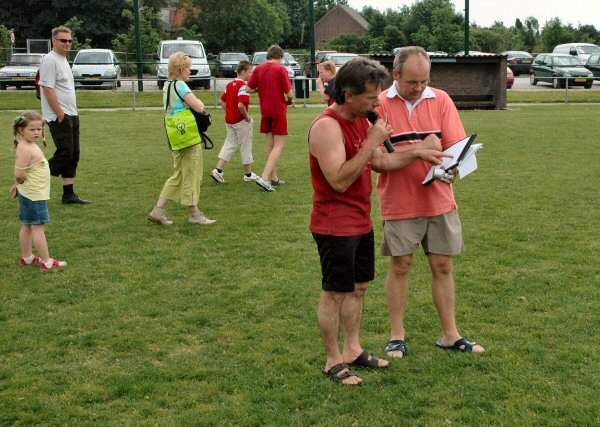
(373, 117)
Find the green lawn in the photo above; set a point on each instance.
(216, 325)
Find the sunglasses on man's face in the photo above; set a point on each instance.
(65, 40)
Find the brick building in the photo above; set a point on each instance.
(340, 20)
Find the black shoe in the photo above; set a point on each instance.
(73, 199)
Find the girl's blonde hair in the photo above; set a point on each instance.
(177, 62)
(21, 122)
(329, 66)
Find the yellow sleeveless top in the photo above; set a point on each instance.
(37, 185)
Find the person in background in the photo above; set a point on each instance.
(59, 108)
(326, 80)
(415, 214)
(240, 126)
(184, 185)
(272, 82)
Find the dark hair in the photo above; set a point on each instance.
(274, 52)
(21, 122)
(243, 65)
(354, 76)
(404, 53)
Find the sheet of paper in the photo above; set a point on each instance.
(454, 151)
(469, 162)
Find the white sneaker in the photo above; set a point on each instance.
(266, 185)
(217, 176)
(199, 218)
(252, 177)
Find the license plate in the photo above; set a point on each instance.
(526, 62)
(92, 78)
(580, 80)
(19, 78)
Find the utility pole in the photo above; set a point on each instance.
(313, 68)
(467, 27)
(138, 45)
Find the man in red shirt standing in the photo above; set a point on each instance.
(272, 82)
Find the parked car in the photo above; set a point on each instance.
(293, 63)
(474, 53)
(20, 70)
(557, 68)
(96, 68)
(261, 57)
(510, 78)
(518, 61)
(318, 59)
(580, 50)
(200, 71)
(227, 63)
(339, 59)
(593, 64)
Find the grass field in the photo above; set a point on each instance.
(216, 325)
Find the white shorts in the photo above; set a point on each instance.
(241, 134)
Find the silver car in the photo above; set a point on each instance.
(96, 68)
(20, 70)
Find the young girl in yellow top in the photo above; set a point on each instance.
(32, 187)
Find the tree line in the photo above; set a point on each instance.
(252, 25)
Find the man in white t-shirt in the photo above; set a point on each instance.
(59, 108)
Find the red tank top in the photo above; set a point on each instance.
(348, 213)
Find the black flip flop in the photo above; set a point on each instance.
(396, 345)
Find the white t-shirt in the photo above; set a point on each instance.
(55, 73)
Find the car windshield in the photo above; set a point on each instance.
(588, 49)
(259, 58)
(566, 61)
(233, 57)
(289, 57)
(93, 58)
(341, 60)
(25, 60)
(192, 50)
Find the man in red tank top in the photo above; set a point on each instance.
(343, 150)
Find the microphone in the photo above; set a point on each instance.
(373, 117)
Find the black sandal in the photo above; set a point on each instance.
(396, 345)
(336, 376)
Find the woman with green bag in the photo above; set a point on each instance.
(184, 185)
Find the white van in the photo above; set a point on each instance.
(580, 50)
(200, 75)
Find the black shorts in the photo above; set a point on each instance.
(346, 260)
(66, 138)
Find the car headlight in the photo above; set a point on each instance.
(32, 74)
(567, 75)
(590, 76)
(3, 74)
(109, 74)
(162, 70)
(204, 72)
(76, 73)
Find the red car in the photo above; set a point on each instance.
(510, 78)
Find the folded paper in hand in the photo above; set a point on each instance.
(463, 158)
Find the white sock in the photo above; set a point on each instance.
(49, 263)
(29, 259)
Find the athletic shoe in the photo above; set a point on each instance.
(54, 263)
(35, 260)
(265, 184)
(217, 176)
(277, 183)
(199, 218)
(252, 177)
(158, 216)
(74, 199)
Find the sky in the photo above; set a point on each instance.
(485, 12)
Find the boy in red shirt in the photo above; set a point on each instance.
(272, 82)
(240, 126)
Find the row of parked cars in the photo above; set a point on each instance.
(91, 68)
(575, 64)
